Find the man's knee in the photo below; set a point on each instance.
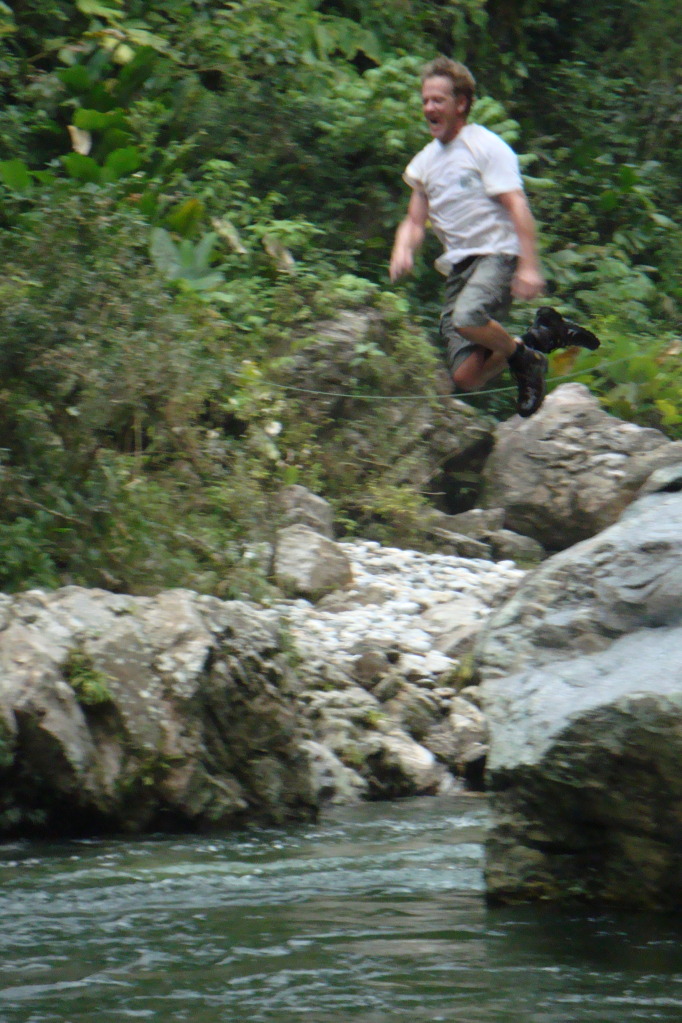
(466, 375)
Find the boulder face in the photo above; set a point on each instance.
(122, 713)
(299, 506)
(441, 441)
(582, 690)
(569, 471)
(308, 564)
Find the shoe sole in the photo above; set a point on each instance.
(526, 414)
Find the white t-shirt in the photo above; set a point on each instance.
(460, 180)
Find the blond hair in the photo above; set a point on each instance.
(463, 82)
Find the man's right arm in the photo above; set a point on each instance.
(409, 236)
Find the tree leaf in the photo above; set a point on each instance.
(83, 168)
(186, 216)
(98, 120)
(204, 249)
(15, 175)
(164, 252)
(77, 79)
(121, 162)
(206, 282)
(98, 10)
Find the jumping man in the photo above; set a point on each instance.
(466, 182)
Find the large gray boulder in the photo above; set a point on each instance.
(582, 689)
(569, 471)
(308, 564)
(122, 713)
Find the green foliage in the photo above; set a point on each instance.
(15, 175)
(105, 387)
(353, 756)
(88, 683)
(184, 261)
(619, 186)
(289, 648)
(372, 718)
(186, 188)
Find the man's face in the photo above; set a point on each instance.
(445, 112)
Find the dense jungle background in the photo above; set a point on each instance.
(190, 188)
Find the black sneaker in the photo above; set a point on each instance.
(551, 331)
(528, 368)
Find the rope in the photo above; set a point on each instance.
(422, 397)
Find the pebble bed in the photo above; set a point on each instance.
(393, 605)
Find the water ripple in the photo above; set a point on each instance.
(374, 915)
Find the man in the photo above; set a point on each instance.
(466, 182)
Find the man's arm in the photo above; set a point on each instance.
(528, 280)
(409, 236)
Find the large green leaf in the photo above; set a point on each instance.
(15, 175)
(121, 162)
(77, 79)
(98, 120)
(164, 252)
(83, 168)
(98, 10)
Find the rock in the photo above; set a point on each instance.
(308, 564)
(301, 507)
(507, 544)
(627, 578)
(350, 599)
(388, 688)
(479, 533)
(568, 472)
(456, 624)
(461, 739)
(584, 765)
(414, 709)
(458, 543)
(340, 716)
(477, 523)
(396, 766)
(582, 688)
(332, 781)
(667, 480)
(365, 736)
(472, 694)
(370, 667)
(128, 714)
(182, 711)
(439, 439)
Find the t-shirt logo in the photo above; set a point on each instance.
(468, 179)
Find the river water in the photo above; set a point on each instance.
(374, 914)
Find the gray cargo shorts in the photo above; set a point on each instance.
(478, 289)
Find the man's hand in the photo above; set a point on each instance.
(409, 236)
(402, 262)
(527, 283)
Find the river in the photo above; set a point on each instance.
(374, 914)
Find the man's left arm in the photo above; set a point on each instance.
(528, 281)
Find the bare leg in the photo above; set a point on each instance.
(478, 369)
(495, 346)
